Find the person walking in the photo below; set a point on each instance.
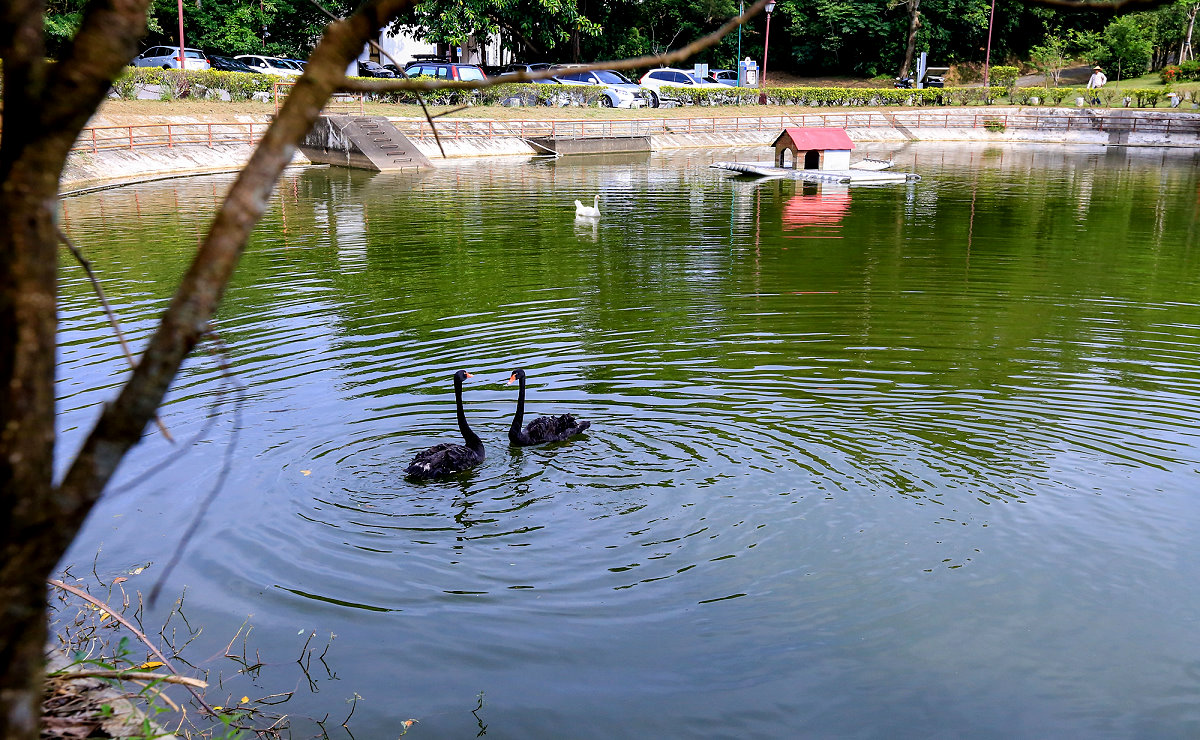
(1095, 82)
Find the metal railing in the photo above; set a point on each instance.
(169, 135)
(477, 129)
(166, 135)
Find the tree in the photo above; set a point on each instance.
(278, 27)
(38, 518)
(1050, 58)
(914, 23)
(528, 28)
(1127, 45)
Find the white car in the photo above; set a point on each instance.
(269, 65)
(167, 57)
(656, 79)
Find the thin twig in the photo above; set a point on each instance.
(424, 108)
(112, 317)
(131, 676)
(205, 428)
(129, 626)
(353, 705)
(226, 464)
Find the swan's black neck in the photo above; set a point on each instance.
(514, 432)
(469, 437)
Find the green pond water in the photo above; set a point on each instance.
(908, 461)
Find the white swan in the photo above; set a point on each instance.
(582, 211)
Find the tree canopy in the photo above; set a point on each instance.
(827, 37)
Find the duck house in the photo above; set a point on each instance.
(813, 149)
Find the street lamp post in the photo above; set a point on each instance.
(181, 52)
(742, 11)
(762, 79)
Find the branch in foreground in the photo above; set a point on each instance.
(129, 626)
(122, 421)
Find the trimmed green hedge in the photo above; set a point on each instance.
(241, 86)
(205, 83)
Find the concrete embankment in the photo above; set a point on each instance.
(87, 170)
(1003, 125)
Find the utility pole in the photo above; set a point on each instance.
(181, 54)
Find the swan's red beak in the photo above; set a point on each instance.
(511, 378)
(469, 375)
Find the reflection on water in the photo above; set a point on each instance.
(816, 208)
(871, 461)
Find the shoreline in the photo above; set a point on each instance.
(88, 171)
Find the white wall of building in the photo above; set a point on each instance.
(404, 47)
(837, 159)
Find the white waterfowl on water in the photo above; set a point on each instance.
(593, 211)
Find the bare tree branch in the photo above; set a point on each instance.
(129, 626)
(653, 60)
(86, 264)
(122, 421)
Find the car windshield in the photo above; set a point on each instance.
(612, 78)
(691, 77)
(470, 73)
(193, 54)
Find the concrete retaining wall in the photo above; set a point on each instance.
(457, 148)
(87, 170)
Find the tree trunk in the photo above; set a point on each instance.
(910, 48)
(38, 520)
(1185, 47)
(55, 103)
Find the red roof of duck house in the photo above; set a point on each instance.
(817, 138)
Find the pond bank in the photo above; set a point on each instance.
(86, 170)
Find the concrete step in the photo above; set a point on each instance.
(362, 142)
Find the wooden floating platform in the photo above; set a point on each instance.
(871, 173)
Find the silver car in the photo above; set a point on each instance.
(269, 65)
(619, 92)
(167, 57)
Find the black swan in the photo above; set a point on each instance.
(543, 428)
(448, 458)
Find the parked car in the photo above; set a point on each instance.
(723, 76)
(297, 63)
(527, 68)
(268, 65)
(619, 92)
(167, 57)
(374, 69)
(656, 79)
(445, 71)
(393, 69)
(229, 64)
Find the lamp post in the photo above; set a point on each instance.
(762, 79)
(987, 59)
(181, 52)
(742, 11)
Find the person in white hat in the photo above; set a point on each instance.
(1096, 81)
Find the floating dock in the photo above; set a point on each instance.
(866, 172)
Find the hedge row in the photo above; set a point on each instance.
(851, 97)
(209, 83)
(241, 86)
(1189, 70)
